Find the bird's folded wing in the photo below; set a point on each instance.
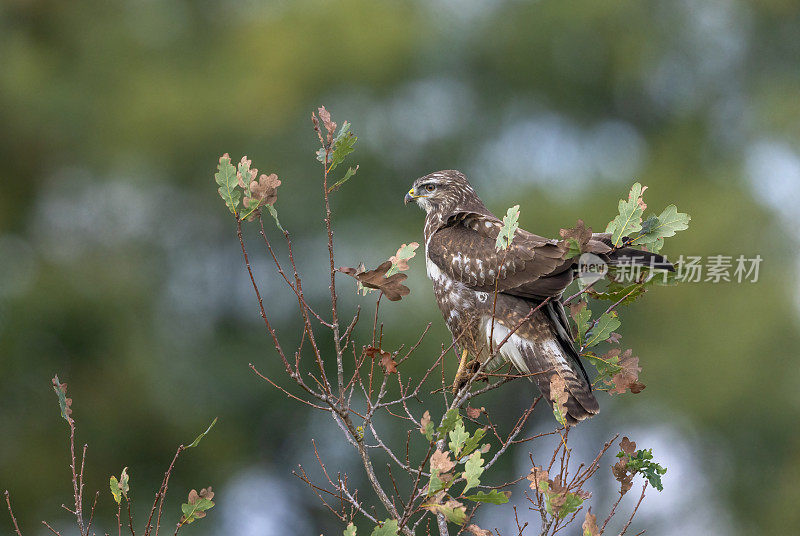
(532, 267)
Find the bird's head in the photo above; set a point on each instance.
(443, 192)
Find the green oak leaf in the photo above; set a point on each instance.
(574, 249)
(350, 530)
(641, 462)
(616, 291)
(473, 442)
(348, 174)
(581, 314)
(227, 180)
(493, 497)
(607, 323)
(449, 422)
(341, 146)
(571, 504)
(629, 219)
(458, 436)
(510, 226)
(457, 515)
(436, 484)
(388, 528)
(197, 506)
(656, 228)
(274, 214)
(473, 469)
(607, 366)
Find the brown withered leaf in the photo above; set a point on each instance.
(622, 475)
(614, 338)
(589, 525)
(538, 475)
(425, 421)
(580, 233)
(477, 531)
(387, 363)
(628, 377)
(266, 189)
(474, 413)
(206, 493)
(330, 126)
(441, 461)
(391, 286)
(559, 394)
(627, 446)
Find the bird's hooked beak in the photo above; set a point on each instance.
(409, 197)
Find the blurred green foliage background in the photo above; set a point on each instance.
(119, 267)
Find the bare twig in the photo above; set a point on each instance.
(11, 513)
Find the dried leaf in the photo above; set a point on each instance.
(628, 377)
(537, 476)
(574, 240)
(477, 531)
(627, 446)
(426, 425)
(265, 190)
(474, 413)
(454, 511)
(559, 396)
(387, 363)
(330, 126)
(391, 286)
(622, 475)
(589, 525)
(441, 461)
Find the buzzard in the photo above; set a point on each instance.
(467, 269)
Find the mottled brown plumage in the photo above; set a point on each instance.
(464, 265)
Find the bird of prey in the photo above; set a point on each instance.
(467, 269)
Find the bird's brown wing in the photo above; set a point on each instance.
(533, 267)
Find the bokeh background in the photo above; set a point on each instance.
(119, 267)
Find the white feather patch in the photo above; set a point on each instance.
(511, 349)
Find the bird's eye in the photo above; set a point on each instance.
(430, 187)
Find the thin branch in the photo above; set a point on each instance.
(11, 513)
(630, 519)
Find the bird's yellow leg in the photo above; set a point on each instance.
(462, 364)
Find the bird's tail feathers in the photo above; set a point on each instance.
(549, 357)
